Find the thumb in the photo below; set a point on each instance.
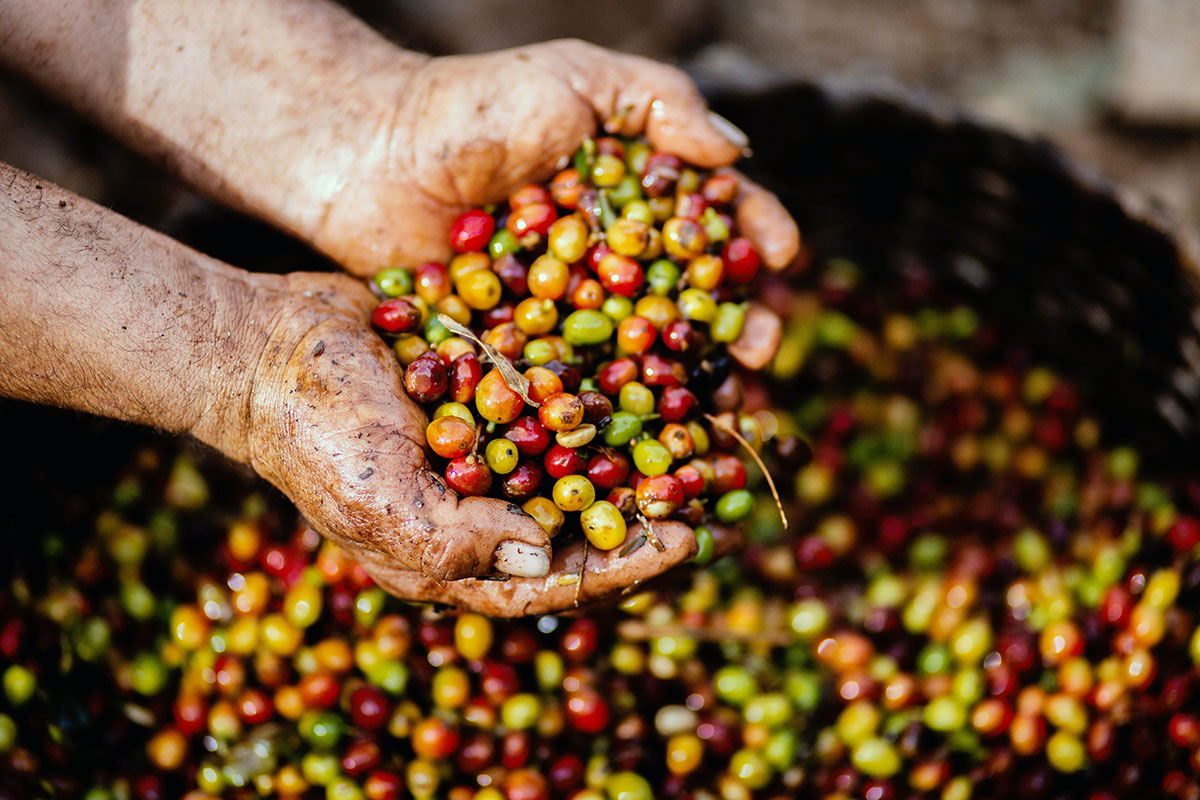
(475, 536)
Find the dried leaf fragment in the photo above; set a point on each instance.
(511, 375)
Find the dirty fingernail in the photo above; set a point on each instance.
(731, 132)
(521, 559)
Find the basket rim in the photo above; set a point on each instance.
(1139, 205)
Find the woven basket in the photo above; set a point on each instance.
(1094, 280)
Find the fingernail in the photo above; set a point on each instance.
(521, 559)
(732, 132)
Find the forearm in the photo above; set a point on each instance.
(261, 103)
(101, 315)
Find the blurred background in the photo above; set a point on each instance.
(1112, 82)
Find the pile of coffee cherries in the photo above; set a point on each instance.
(603, 303)
(979, 598)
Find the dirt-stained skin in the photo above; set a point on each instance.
(607, 575)
(296, 112)
(331, 426)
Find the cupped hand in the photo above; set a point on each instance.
(464, 131)
(329, 424)
(579, 575)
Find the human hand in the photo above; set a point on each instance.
(329, 423)
(465, 131)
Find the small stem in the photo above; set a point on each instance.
(757, 460)
(582, 570)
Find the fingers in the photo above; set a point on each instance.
(678, 119)
(632, 95)
(763, 220)
(761, 333)
(635, 95)
(571, 582)
(479, 535)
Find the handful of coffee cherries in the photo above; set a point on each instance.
(573, 355)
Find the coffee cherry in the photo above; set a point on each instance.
(659, 496)
(469, 476)
(501, 456)
(495, 401)
(615, 374)
(621, 429)
(586, 709)
(705, 272)
(394, 282)
(683, 238)
(635, 335)
(690, 205)
(546, 513)
(568, 238)
(514, 276)
(659, 371)
(471, 231)
(561, 412)
(522, 483)
(588, 294)
(597, 409)
(677, 440)
(535, 316)
(480, 289)
(465, 374)
(434, 739)
(548, 278)
(561, 461)
(587, 327)
(620, 274)
(542, 383)
(678, 335)
(565, 188)
(426, 379)
(529, 435)
(651, 457)
(573, 493)
(608, 469)
(396, 315)
(692, 480)
(628, 237)
(528, 194)
(450, 437)
(660, 174)
(431, 282)
(532, 219)
(741, 261)
(677, 404)
(697, 305)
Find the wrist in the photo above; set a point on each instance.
(278, 317)
(246, 309)
(347, 125)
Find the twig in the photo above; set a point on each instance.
(757, 460)
(648, 527)
(582, 569)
